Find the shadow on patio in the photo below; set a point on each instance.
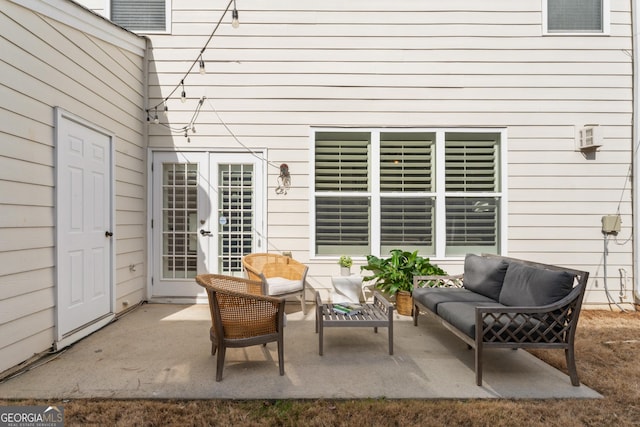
(163, 351)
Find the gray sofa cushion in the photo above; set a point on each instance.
(529, 286)
(462, 315)
(484, 275)
(431, 297)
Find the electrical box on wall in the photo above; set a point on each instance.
(611, 224)
(589, 138)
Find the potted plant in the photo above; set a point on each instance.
(394, 275)
(345, 262)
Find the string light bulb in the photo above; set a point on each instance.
(202, 70)
(156, 120)
(183, 97)
(235, 23)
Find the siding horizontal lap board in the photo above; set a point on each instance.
(94, 71)
(291, 65)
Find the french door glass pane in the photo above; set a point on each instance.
(408, 224)
(342, 225)
(179, 220)
(235, 215)
(472, 224)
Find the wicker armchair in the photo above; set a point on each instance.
(280, 275)
(241, 317)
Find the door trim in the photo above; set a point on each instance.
(64, 339)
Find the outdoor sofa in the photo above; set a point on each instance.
(508, 303)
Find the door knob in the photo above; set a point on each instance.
(205, 232)
(108, 234)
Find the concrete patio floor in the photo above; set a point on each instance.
(163, 351)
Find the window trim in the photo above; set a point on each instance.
(440, 193)
(606, 22)
(167, 17)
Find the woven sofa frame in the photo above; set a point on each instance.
(550, 326)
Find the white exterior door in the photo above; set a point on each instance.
(84, 228)
(207, 213)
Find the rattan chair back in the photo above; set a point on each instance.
(263, 266)
(241, 316)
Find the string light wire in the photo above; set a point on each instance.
(235, 138)
(284, 180)
(197, 60)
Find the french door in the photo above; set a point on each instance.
(207, 214)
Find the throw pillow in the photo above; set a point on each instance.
(530, 286)
(484, 275)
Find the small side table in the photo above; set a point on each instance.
(347, 288)
(378, 314)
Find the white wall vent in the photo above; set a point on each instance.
(589, 138)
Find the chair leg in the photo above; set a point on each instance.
(214, 341)
(281, 354)
(478, 363)
(220, 363)
(571, 366)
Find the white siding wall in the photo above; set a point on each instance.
(373, 63)
(98, 6)
(47, 64)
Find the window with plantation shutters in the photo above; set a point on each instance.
(471, 177)
(470, 162)
(342, 162)
(435, 191)
(342, 186)
(140, 15)
(577, 16)
(406, 162)
(406, 183)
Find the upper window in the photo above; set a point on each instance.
(576, 16)
(144, 16)
(436, 191)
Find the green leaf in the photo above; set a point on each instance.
(396, 272)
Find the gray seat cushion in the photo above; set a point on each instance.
(484, 275)
(520, 328)
(530, 286)
(431, 297)
(462, 315)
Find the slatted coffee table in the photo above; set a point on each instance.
(378, 314)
